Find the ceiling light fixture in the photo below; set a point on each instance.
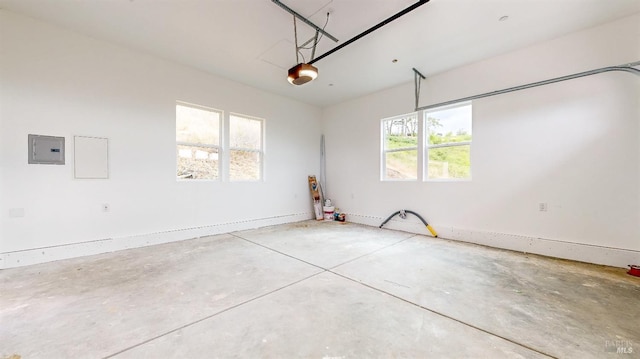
(302, 73)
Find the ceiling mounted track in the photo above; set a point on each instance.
(625, 68)
(305, 20)
(370, 30)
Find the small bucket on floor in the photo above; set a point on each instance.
(634, 270)
(328, 213)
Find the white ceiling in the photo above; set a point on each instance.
(251, 41)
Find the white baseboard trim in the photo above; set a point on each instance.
(54, 253)
(616, 257)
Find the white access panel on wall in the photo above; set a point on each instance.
(91, 157)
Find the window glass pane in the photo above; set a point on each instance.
(196, 125)
(449, 126)
(449, 162)
(197, 162)
(401, 132)
(245, 133)
(245, 165)
(401, 165)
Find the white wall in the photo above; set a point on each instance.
(574, 145)
(56, 82)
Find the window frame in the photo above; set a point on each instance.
(427, 146)
(423, 146)
(219, 146)
(384, 151)
(260, 151)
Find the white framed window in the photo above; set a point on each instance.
(436, 148)
(448, 136)
(400, 141)
(246, 148)
(198, 147)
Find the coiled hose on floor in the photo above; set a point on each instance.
(403, 215)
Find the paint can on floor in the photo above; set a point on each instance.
(634, 270)
(328, 212)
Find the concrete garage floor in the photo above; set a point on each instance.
(318, 290)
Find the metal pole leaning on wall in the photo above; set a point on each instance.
(626, 68)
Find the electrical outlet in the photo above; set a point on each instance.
(543, 207)
(106, 207)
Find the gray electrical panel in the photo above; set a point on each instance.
(48, 150)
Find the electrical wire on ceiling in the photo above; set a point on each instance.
(315, 40)
(295, 37)
(304, 72)
(321, 35)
